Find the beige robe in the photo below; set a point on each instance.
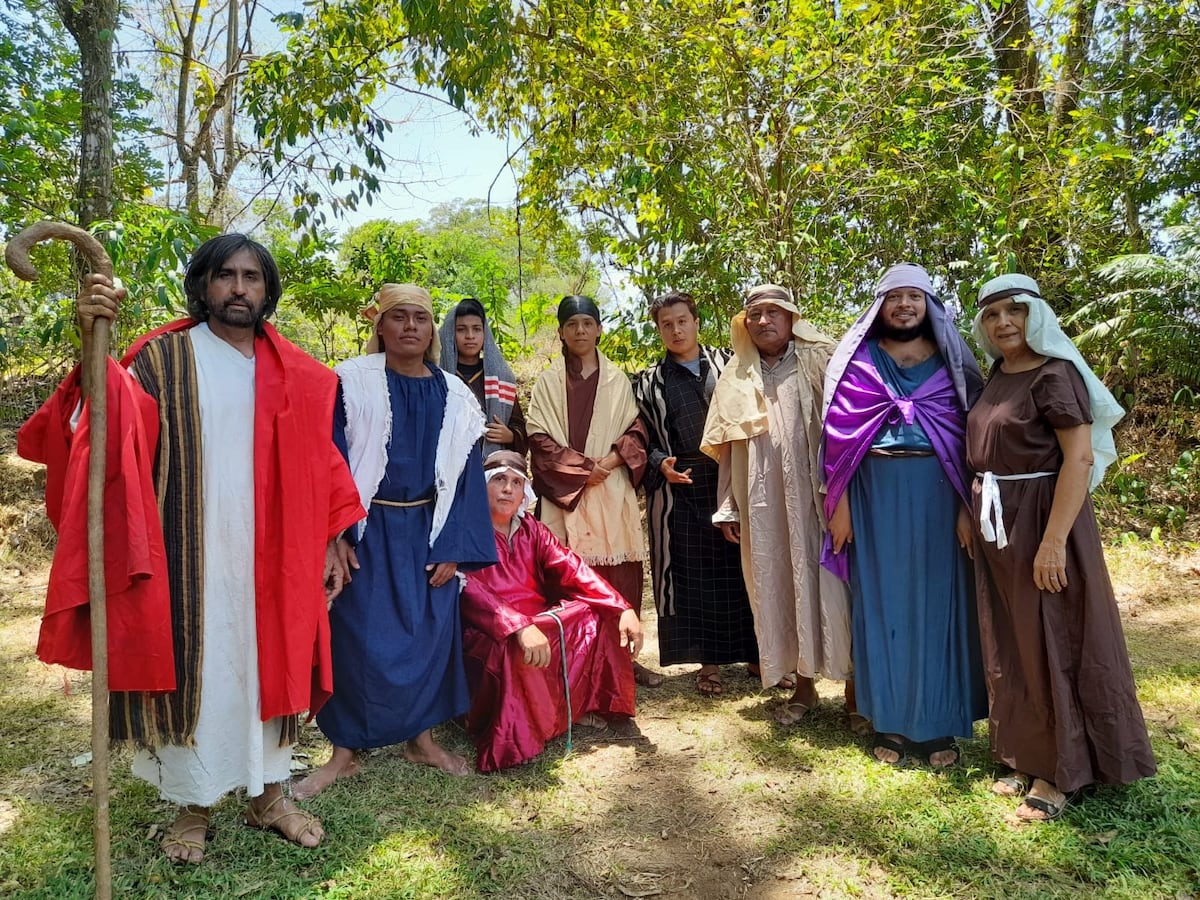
(765, 429)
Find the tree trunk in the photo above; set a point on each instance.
(1068, 86)
(92, 23)
(1016, 59)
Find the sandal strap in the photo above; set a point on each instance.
(258, 819)
(170, 841)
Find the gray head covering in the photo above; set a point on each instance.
(960, 362)
(499, 383)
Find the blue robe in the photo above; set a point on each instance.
(397, 642)
(917, 669)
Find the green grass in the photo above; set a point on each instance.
(711, 800)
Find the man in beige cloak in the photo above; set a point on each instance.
(764, 429)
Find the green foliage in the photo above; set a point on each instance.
(1132, 496)
(1151, 322)
(40, 120)
(710, 143)
(382, 252)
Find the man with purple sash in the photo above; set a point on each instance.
(897, 393)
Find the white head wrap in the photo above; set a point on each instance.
(1044, 336)
(507, 466)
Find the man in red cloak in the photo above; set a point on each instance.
(224, 490)
(546, 640)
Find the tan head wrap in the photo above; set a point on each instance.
(400, 295)
(738, 409)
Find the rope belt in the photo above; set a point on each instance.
(562, 646)
(402, 504)
(992, 510)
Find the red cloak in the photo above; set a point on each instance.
(304, 495)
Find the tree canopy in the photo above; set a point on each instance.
(707, 144)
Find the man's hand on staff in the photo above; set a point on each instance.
(99, 297)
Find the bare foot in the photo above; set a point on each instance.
(425, 751)
(271, 811)
(646, 677)
(593, 720)
(185, 839)
(343, 764)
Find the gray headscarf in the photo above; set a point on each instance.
(499, 383)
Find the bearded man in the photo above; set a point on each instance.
(224, 426)
(896, 396)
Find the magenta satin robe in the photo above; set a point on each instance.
(516, 708)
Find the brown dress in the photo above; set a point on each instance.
(1062, 699)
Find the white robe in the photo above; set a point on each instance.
(234, 748)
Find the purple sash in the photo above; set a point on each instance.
(862, 405)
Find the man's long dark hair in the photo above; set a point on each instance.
(209, 259)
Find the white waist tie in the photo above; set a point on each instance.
(992, 509)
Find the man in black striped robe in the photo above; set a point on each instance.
(703, 613)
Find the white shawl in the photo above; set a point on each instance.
(369, 430)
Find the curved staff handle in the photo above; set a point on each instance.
(95, 370)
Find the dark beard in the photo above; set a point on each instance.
(237, 317)
(902, 335)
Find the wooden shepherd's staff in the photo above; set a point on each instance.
(95, 370)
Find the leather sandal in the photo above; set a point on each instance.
(1014, 784)
(191, 818)
(263, 820)
(709, 683)
(899, 747)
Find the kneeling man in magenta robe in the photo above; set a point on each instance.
(546, 640)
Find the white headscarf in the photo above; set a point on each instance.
(1044, 336)
(508, 463)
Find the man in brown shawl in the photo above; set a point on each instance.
(587, 450)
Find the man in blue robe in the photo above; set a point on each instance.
(411, 436)
(896, 396)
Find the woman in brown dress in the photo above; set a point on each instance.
(1063, 710)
